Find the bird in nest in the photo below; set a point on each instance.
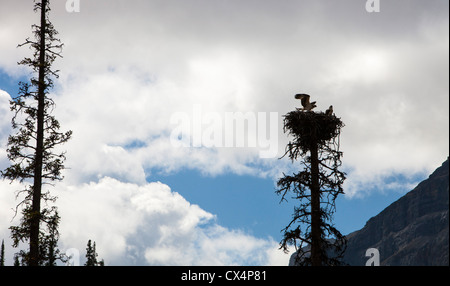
(308, 106)
(329, 111)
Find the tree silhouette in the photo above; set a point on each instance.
(30, 150)
(2, 254)
(91, 256)
(316, 142)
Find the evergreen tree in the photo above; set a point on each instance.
(51, 243)
(311, 231)
(101, 263)
(91, 256)
(30, 150)
(16, 260)
(2, 254)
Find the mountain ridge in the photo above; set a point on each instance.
(413, 230)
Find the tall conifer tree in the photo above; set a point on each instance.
(31, 149)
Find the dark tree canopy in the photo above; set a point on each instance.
(316, 187)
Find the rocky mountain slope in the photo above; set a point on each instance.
(414, 230)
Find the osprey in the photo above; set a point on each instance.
(329, 111)
(305, 101)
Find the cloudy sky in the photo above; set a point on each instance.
(139, 77)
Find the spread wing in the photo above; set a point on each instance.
(303, 97)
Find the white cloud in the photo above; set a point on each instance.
(120, 84)
(247, 59)
(5, 127)
(5, 116)
(143, 225)
(8, 203)
(150, 224)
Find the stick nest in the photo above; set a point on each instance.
(308, 127)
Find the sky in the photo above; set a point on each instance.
(156, 173)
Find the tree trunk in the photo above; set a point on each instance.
(37, 185)
(316, 257)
